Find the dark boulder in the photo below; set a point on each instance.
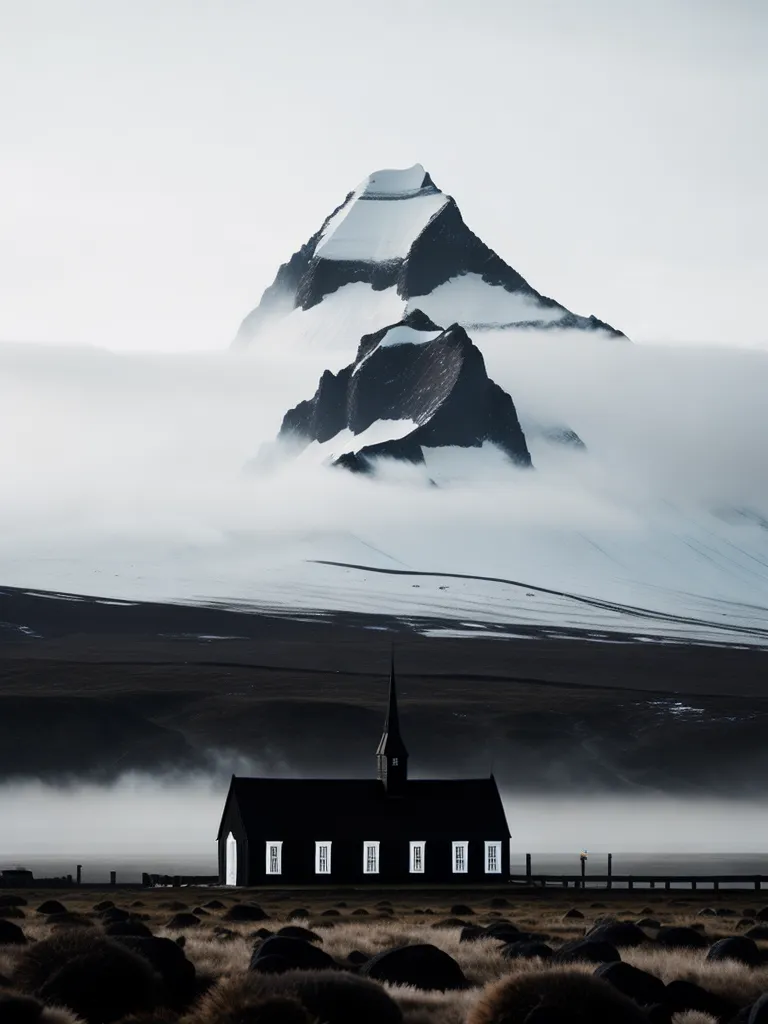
(259, 933)
(745, 922)
(11, 934)
(173, 905)
(450, 922)
(526, 950)
(247, 912)
(271, 965)
(758, 1012)
(644, 988)
(461, 910)
(586, 950)
(330, 912)
(762, 914)
(51, 907)
(167, 958)
(725, 912)
(69, 919)
(622, 934)
(686, 995)
(423, 966)
(181, 921)
(113, 914)
(472, 932)
(573, 914)
(673, 937)
(737, 947)
(214, 905)
(339, 997)
(758, 933)
(131, 927)
(296, 931)
(12, 900)
(648, 922)
(103, 905)
(15, 913)
(706, 912)
(498, 902)
(299, 954)
(97, 978)
(356, 958)
(299, 912)
(360, 912)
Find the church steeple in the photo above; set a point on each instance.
(391, 755)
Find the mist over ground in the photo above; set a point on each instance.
(125, 478)
(169, 824)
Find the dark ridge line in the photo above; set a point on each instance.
(426, 676)
(594, 602)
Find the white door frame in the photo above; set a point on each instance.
(230, 874)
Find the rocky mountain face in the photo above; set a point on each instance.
(412, 386)
(397, 232)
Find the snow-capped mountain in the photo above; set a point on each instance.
(396, 244)
(412, 386)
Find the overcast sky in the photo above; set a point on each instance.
(160, 158)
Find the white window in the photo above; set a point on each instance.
(395, 762)
(417, 858)
(371, 857)
(459, 858)
(492, 858)
(231, 860)
(322, 858)
(274, 857)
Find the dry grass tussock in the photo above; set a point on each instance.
(229, 994)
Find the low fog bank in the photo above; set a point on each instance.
(125, 476)
(169, 825)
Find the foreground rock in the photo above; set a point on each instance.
(424, 966)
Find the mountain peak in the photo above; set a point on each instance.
(405, 241)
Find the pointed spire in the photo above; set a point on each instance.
(391, 755)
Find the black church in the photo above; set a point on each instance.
(388, 829)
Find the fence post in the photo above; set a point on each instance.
(528, 868)
(610, 870)
(79, 874)
(113, 878)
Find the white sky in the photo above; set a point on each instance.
(159, 159)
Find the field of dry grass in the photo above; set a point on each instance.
(221, 949)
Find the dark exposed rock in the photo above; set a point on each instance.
(214, 905)
(181, 921)
(356, 958)
(686, 995)
(594, 952)
(524, 950)
(412, 371)
(618, 933)
(562, 997)
(299, 912)
(461, 910)
(297, 953)
(12, 913)
(178, 974)
(758, 933)
(247, 912)
(725, 912)
(339, 997)
(644, 988)
(11, 934)
(112, 914)
(737, 947)
(261, 933)
(271, 964)
(12, 900)
(360, 912)
(573, 913)
(330, 912)
(69, 919)
(103, 905)
(130, 927)
(758, 1013)
(499, 901)
(51, 907)
(706, 912)
(472, 932)
(450, 922)
(680, 938)
(762, 914)
(99, 979)
(423, 966)
(648, 922)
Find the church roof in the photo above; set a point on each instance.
(360, 808)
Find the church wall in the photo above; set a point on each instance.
(298, 863)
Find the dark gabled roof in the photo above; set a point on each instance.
(360, 809)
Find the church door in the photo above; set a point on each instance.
(231, 875)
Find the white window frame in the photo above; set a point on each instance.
(420, 846)
(460, 851)
(319, 868)
(492, 846)
(279, 845)
(371, 846)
